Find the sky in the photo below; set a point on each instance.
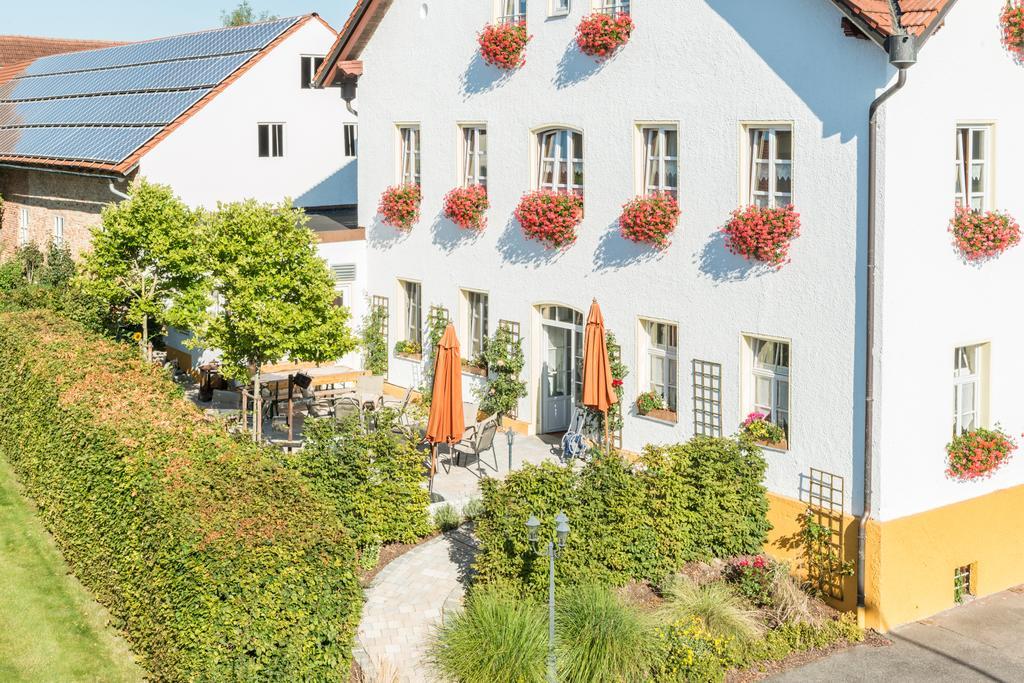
(142, 19)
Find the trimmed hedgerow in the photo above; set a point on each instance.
(215, 561)
(697, 500)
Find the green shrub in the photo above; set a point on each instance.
(689, 653)
(473, 509)
(779, 643)
(374, 341)
(372, 477)
(446, 518)
(497, 638)
(599, 638)
(216, 562)
(720, 611)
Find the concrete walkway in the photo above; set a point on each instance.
(407, 600)
(980, 641)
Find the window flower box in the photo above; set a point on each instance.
(763, 432)
(652, 404)
(467, 207)
(661, 415)
(980, 236)
(762, 233)
(977, 454)
(400, 206)
(550, 217)
(600, 35)
(503, 45)
(650, 219)
(1012, 23)
(409, 350)
(469, 368)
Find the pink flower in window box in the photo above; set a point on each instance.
(1012, 23)
(983, 235)
(600, 35)
(762, 233)
(550, 217)
(503, 45)
(467, 207)
(650, 219)
(400, 206)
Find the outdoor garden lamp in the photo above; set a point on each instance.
(562, 529)
(532, 526)
(510, 437)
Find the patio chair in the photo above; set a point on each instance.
(314, 406)
(479, 439)
(370, 388)
(398, 404)
(347, 406)
(574, 444)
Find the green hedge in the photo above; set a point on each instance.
(697, 500)
(217, 563)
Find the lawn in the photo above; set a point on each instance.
(50, 627)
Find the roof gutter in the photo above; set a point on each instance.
(103, 176)
(858, 20)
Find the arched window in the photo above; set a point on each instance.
(561, 160)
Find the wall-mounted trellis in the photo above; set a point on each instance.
(615, 435)
(826, 568)
(514, 330)
(381, 303)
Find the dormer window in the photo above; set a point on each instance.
(309, 66)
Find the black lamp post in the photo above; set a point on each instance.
(554, 550)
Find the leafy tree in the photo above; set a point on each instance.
(31, 258)
(243, 14)
(148, 260)
(60, 267)
(275, 294)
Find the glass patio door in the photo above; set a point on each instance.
(562, 369)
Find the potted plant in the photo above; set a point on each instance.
(762, 233)
(407, 348)
(650, 219)
(550, 217)
(760, 429)
(652, 404)
(977, 454)
(980, 236)
(1012, 23)
(467, 207)
(600, 35)
(400, 205)
(503, 45)
(475, 366)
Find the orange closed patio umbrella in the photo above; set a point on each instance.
(447, 424)
(598, 392)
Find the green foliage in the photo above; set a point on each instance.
(371, 476)
(374, 341)
(619, 373)
(754, 580)
(790, 637)
(648, 401)
(31, 258)
(446, 518)
(473, 509)
(10, 276)
(60, 267)
(720, 611)
(503, 356)
(408, 347)
(763, 431)
(216, 562)
(689, 653)
(497, 638)
(369, 556)
(243, 14)
(599, 638)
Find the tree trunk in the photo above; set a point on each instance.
(257, 408)
(144, 342)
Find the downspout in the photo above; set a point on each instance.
(902, 55)
(348, 93)
(116, 191)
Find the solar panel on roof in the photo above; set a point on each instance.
(158, 108)
(108, 144)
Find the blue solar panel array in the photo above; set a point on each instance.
(102, 105)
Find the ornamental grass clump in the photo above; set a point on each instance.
(983, 235)
(550, 217)
(1012, 23)
(650, 219)
(600, 35)
(716, 605)
(400, 205)
(467, 207)
(762, 233)
(504, 45)
(977, 454)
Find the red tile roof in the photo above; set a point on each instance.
(917, 16)
(15, 49)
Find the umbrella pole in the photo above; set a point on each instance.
(607, 443)
(433, 467)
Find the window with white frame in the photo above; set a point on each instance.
(968, 388)
(973, 170)
(309, 66)
(410, 154)
(613, 7)
(270, 139)
(476, 321)
(474, 155)
(351, 140)
(511, 11)
(770, 380)
(560, 8)
(58, 230)
(660, 160)
(770, 166)
(561, 160)
(661, 360)
(344, 275)
(23, 227)
(413, 311)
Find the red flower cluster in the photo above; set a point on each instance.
(763, 234)
(550, 217)
(1012, 21)
(467, 207)
(650, 219)
(983, 235)
(400, 206)
(978, 453)
(502, 45)
(599, 35)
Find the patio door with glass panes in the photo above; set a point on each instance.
(562, 366)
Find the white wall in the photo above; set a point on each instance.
(707, 66)
(340, 253)
(213, 156)
(933, 301)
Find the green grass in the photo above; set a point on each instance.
(50, 627)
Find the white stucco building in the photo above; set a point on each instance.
(733, 103)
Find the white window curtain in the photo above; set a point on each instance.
(474, 163)
(771, 381)
(966, 388)
(561, 161)
(971, 167)
(662, 361)
(413, 316)
(477, 305)
(410, 155)
(661, 161)
(771, 167)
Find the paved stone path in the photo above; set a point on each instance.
(407, 600)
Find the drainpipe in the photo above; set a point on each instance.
(902, 55)
(116, 191)
(348, 93)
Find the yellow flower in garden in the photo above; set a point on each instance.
(137, 336)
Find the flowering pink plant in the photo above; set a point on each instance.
(762, 233)
(978, 453)
(400, 206)
(983, 235)
(758, 427)
(650, 219)
(1012, 22)
(599, 35)
(550, 217)
(467, 207)
(753, 579)
(503, 45)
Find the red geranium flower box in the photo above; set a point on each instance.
(467, 207)
(978, 453)
(503, 45)
(400, 206)
(1012, 22)
(981, 236)
(650, 219)
(550, 217)
(762, 233)
(599, 35)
